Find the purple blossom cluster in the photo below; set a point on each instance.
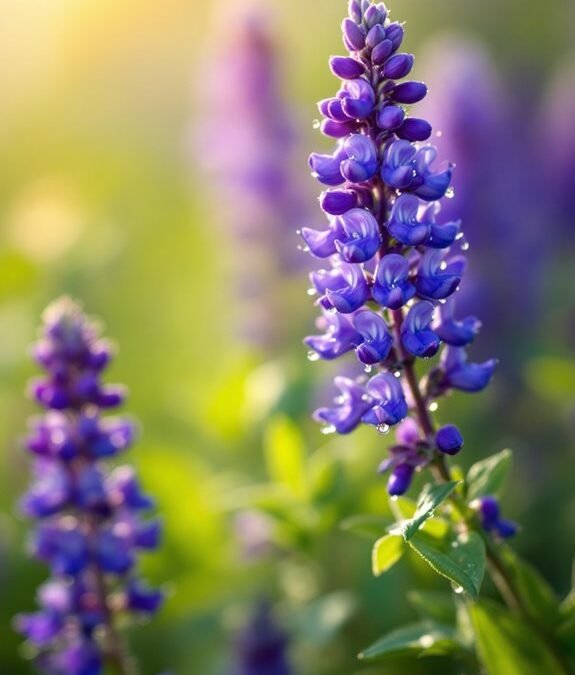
(393, 265)
(90, 527)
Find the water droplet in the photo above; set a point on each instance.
(465, 246)
(443, 266)
(382, 429)
(339, 400)
(316, 124)
(442, 301)
(328, 429)
(433, 406)
(367, 398)
(458, 590)
(459, 236)
(450, 193)
(298, 232)
(313, 356)
(426, 641)
(397, 374)
(311, 291)
(368, 369)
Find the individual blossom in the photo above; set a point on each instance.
(490, 516)
(392, 265)
(90, 517)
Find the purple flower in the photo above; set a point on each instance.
(408, 455)
(438, 279)
(459, 374)
(416, 334)
(489, 512)
(454, 332)
(392, 287)
(89, 526)
(388, 401)
(394, 263)
(340, 336)
(449, 439)
(375, 341)
(352, 403)
(343, 288)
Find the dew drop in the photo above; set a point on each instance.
(465, 246)
(382, 429)
(316, 124)
(298, 232)
(458, 590)
(442, 301)
(311, 291)
(328, 429)
(313, 356)
(450, 193)
(433, 406)
(368, 369)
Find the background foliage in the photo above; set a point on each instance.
(101, 197)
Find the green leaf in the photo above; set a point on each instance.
(429, 499)
(538, 596)
(368, 526)
(509, 646)
(320, 621)
(487, 477)
(462, 560)
(420, 639)
(285, 454)
(402, 508)
(386, 552)
(433, 605)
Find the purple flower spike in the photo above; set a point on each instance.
(416, 334)
(449, 439)
(459, 374)
(386, 247)
(436, 278)
(361, 164)
(390, 404)
(89, 528)
(392, 287)
(403, 222)
(340, 336)
(376, 340)
(351, 405)
(454, 332)
(360, 239)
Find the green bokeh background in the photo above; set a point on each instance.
(102, 198)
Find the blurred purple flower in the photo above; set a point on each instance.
(89, 528)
